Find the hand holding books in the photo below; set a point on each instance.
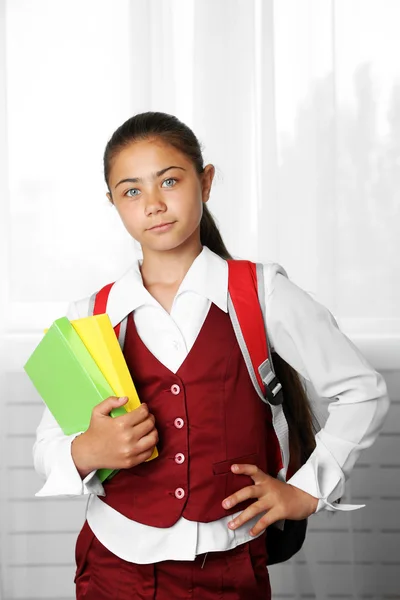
(115, 443)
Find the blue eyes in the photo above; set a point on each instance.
(134, 190)
(128, 193)
(170, 179)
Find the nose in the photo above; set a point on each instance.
(154, 204)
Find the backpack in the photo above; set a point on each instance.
(246, 308)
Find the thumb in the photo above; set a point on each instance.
(105, 407)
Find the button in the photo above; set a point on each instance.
(179, 493)
(179, 423)
(175, 389)
(175, 345)
(179, 458)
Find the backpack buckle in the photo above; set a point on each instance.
(275, 395)
(273, 388)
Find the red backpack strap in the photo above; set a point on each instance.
(246, 310)
(98, 306)
(249, 325)
(101, 299)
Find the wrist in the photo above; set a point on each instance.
(312, 500)
(314, 503)
(82, 455)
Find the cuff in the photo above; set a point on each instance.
(336, 507)
(322, 478)
(63, 478)
(92, 485)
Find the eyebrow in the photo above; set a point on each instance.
(153, 176)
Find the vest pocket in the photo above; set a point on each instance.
(223, 467)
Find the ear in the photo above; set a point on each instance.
(206, 182)
(109, 197)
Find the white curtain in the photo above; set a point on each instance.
(296, 103)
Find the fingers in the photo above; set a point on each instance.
(253, 471)
(259, 478)
(270, 517)
(136, 416)
(259, 490)
(144, 428)
(280, 500)
(145, 455)
(141, 450)
(147, 442)
(240, 496)
(251, 511)
(105, 407)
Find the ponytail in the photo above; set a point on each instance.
(210, 235)
(302, 422)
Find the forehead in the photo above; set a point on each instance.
(142, 158)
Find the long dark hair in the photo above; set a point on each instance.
(158, 125)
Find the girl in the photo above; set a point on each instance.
(191, 523)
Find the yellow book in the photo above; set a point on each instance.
(99, 337)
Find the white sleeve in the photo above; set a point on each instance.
(305, 334)
(52, 449)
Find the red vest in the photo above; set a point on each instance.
(208, 417)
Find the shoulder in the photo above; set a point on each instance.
(78, 309)
(287, 303)
(272, 273)
(285, 300)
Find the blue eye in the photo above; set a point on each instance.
(128, 193)
(170, 179)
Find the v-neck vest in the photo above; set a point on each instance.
(208, 417)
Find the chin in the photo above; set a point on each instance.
(164, 245)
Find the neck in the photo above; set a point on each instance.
(169, 267)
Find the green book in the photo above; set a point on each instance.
(68, 380)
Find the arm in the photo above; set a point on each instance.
(53, 462)
(52, 451)
(305, 334)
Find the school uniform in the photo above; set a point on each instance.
(178, 516)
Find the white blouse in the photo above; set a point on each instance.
(302, 331)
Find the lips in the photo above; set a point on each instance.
(161, 225)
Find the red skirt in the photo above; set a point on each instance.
(238, 574)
